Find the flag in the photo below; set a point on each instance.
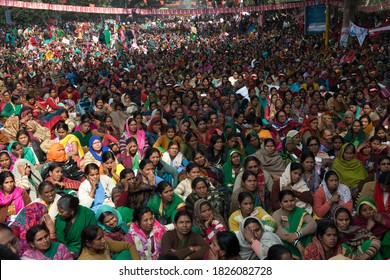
(357, 31)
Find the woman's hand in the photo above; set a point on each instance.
(22, 170)
(335, 198)
(291, 237)
(48, 222)
(208, 222)
(151, 179)
(113, 169)
(378, 218)
(362, 257)
(105, 170)
(248, 234)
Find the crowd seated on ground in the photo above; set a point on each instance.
(156, 141)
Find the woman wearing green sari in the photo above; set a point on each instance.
(84, 134)
(351, 171)
(20, 152)
(253, 143)
(232, 167)
(287, 151)
(295, 226)
(110, 220)
(165, 204)
(72, 218)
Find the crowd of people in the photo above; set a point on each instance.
(191, 139)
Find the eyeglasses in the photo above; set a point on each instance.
(385, 164)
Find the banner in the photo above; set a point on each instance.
(315, 20)
(344, 37)
(359, 32)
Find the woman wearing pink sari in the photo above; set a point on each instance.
(132, 130)
(145, 234)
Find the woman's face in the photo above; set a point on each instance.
(61, 133)
(348, 154)
(246, 206)
(179, 113)
(296, 176)
(56, 174)
(170, 133)
(381, 134)
(109, 163)
(148, 169)
(5, 161)
(147, 222)
(167, 195)
(296, 139)
(202, 126)
(132, 148)
(184, 127)
(8, 185)
(269, 148)
(155, 158)
(201, 189)
(256, 230)
(48, 194)
(173, 151)
(18, 151)
(133, 126)
(24, 140)
(193, 142)
(251, 183)
(110, 221)
(66, 215)
(206, 213)
(314, 124)
(194, 172)
(333, 183)
(93, 175)
(366, 211)
(356, 127)
(85, 127)
(288, 202)
(99, 104)
(183, 225)
(97, 145)
(235, 159)
(329, 239)
(214, 247)
(157, 127)
(99, 243)
(41, 241)
(343, 221)
(219, 145)
(278, 106)
(308, 164)
(314, 147)
(384, 165)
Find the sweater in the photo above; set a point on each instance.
(171, 241)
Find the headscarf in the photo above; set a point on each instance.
(35, 176)
(92, 151)
(357, 139)
(249, 149)
(342, 190)
(267, 240)
(353, 235)
(291, 134)
(379, 229)
(57, 153)
(120, 226)
(28, 153)
(378, 198)
(273, 164)
(286, 155)
(300, 186)
(306, 126)
(152, 122)
(28, 217)
(351, 172)
(139, 135)
(198, 221)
